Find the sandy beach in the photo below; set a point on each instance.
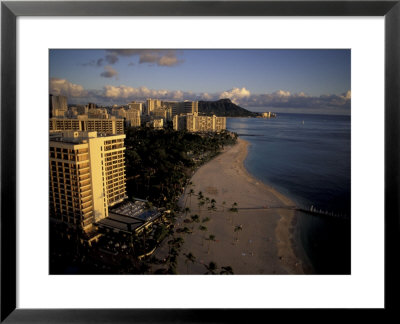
(264, 245)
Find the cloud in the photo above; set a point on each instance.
(141, 93)
(90, 63)
(146, 56)
(347, 95)
(109, 72)
(243, 97)
(235, 94)
(284, 99)
(111, 58)
(66, 88)
(150, 56)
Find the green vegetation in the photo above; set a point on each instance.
(159, 163)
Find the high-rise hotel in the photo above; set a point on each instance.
(87, 175)
(109, 126)
(196, 123)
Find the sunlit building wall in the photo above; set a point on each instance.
(136, 106)
(87, 175)
(133, 117)
(152, 104)
(196, 123)
(58, 106)
(110, 126)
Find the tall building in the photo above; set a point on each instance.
(136, 106)
(87, 175)
(190, 107)
(179, 122)
(196, 123)
(133, 117)
(163, 112)
(91, 105)
(109, 126)
(152, 104)
(175, 106)
(98, 113)
(182, 107)
(58, 106)
(119, 112)
(82, 110)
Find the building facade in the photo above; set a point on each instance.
(133, 117)
(157, 123)
(152, 104)
(87, 175)
(196, 123)
(111, 126)
(58, 106)
(136, 106)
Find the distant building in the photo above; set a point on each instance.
(268, 114)
(72, 112)
(98, 113)
(163, 112)
(196, 123)
(133, 117)
(136, 106)
(58, 106)
(182, 107)
(179, 122)
(87, 175)
(152, 104)
(109, 126)
(190, 107)
(91, 105)
(82, 110)
(157, 123)
(118, 112)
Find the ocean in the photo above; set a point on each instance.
(307, 158)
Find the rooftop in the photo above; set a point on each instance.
(130, 216)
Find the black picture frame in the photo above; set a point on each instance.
(10, 10)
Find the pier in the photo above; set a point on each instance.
(312, 210)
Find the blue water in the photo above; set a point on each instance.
(307, 158)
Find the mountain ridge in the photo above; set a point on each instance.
(224, 108)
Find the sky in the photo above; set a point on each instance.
(292, 80)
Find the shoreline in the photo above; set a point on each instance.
(266, 244)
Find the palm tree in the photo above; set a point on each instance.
(233, 209)
(203, 229)
(189, 258)
(205, 219)
(191, 192)
(207, 200)
(187, 210)
(209, 239)
(186, 230)
(178, 242)
(236, 230)
(211, 267)
(226, 270)
(195, 218)
(212, 205)
(200, 204)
